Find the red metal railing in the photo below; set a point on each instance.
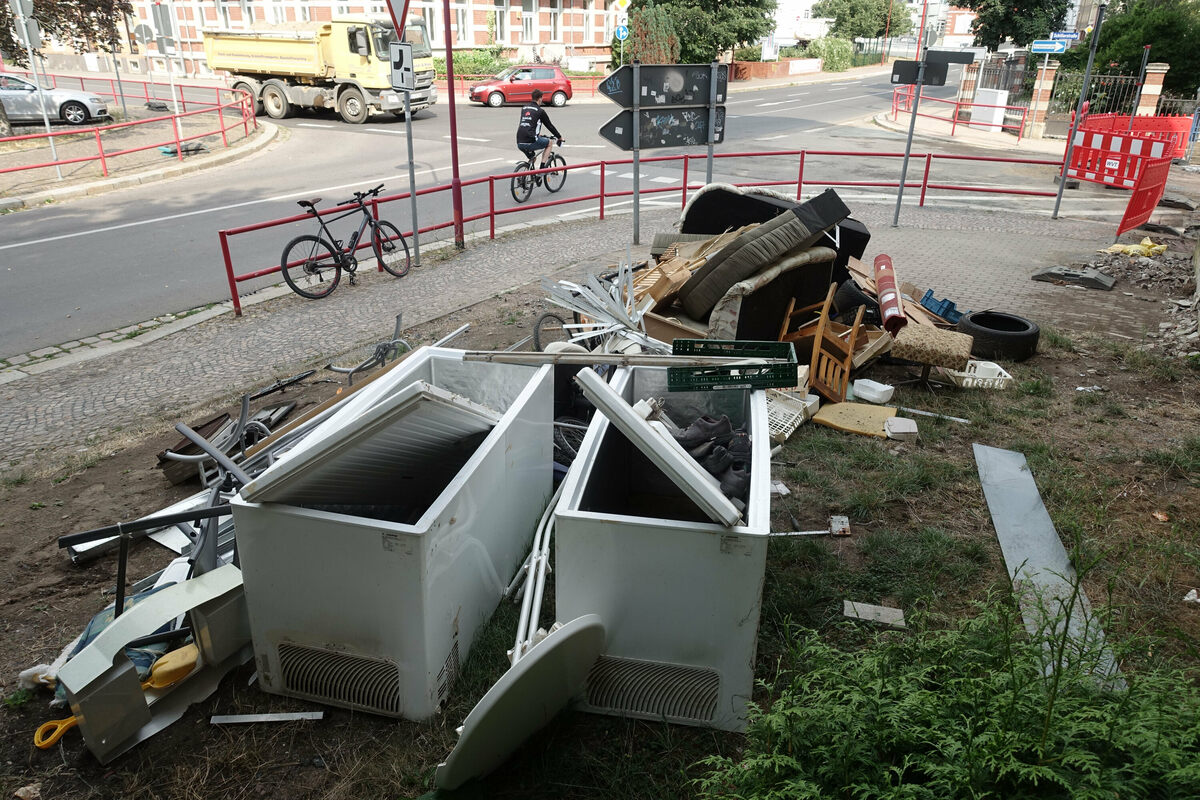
(141, 88)
(491, 213)
(244, 117)
(580, 86)
(902, 102)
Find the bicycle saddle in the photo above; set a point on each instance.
(308, 203)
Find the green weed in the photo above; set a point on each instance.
(17, 699)
(20, 479)
(1183, 461)
(1057, 340)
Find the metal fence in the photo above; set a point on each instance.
(1177, 105)
(1106, 94)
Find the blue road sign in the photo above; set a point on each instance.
(1048, 46)
(622, 33)
(1065, 35)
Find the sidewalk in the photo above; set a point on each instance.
(145, 385)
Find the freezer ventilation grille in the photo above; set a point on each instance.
(449, 673)
(653, 689)
(371, 684)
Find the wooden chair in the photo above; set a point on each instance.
(832, 352)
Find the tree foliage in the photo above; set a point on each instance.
(706, 28)
(1021, 20)
(86, 25)
(866, 18)
(1172, 29)
(652, 38)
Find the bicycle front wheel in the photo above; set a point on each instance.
(390, 249)
(522, 182)
(310, 266)
(556, 179)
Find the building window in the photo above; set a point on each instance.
(529, 20)
(556, 20)
(460, 24)
(502, 26)
(589, 25)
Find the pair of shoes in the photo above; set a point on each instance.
(739, 445)
(706, 429)
(735, 481)
(718, 461)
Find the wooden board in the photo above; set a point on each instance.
(862, 418)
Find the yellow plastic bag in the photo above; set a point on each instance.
(1142, 248)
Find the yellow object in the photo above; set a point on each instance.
(1143, 248)
(313, 62)
(167, 671)
(863, 418)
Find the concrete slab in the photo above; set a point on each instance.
(891, 617)
(1091, 278)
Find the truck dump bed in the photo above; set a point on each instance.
(299, 53)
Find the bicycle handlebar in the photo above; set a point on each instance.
(360, 195)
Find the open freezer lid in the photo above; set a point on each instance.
(523, 701)
(662, 450)
(408, 435)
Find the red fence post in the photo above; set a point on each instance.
(800, 177)
(603, 169)
(491, 207)
(925, 179)
(954, 122)
(233, 291)
(221, 122)
(178, 144)
(683, 199)
(100, 150)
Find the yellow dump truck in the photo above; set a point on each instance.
(343, 64)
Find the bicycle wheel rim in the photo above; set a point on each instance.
(310, 267)
(556, 179)
(522, 184)
(391, 251)
(550, 327)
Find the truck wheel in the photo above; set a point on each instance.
(275, 101)
(495, 100)
(248, 89)
(353, 107)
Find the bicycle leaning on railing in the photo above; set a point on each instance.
(523, 182)
(312, 265)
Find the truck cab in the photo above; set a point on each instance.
(343, 64)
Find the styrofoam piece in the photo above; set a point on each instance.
(375, 605)
(667, 454)
(901, 428)
(679, 594)
(884, 615)
(980, 375)
(524, 700)
(873, 391)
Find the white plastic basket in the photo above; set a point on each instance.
(981, 375)
(785, 413)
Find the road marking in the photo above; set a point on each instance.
(800, 94)
(846, 83)
(305, 193)
(776, 103)
(588, 146)
(468, 138)
(772, 138)
(313, 125)
(810, 105)
(611, 206)
(664, 179)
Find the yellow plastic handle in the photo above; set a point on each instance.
(48, 733)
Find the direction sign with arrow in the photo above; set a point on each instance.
(1048, 46)
(664, 127)
(666, 85)
(622, 33)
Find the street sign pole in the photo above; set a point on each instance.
(1087, 77)
(412, 180)
(1041, 82)
(21, 11)
(712, 123)
(637, 146)
(1137, 100)
(923, 51)
(117, 69)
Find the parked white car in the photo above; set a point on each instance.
(21, 101)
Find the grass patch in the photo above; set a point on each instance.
(1144, 362)
(1182, 461)
(17, 699)
(1054, 339)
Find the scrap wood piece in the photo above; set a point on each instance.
(1052, 602)
(861, 418)
(891, 617)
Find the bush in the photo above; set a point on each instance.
(966, 712)
(834, 53)
(473, 62)
(793, 51)
(748, 53)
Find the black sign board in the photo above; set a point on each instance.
(905, 72)
(666, 85)
(664, 127)
(949, 57)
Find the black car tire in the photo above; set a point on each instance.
(73, 112)
(1000, 335)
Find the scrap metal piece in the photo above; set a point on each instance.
(891, 617)
(238, 719)
(839, 525)
(1087, 276)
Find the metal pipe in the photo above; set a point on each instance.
(712, 121)
(142, 525)
(217, 455)
(912, 124)
(1087, 76)
(637, 183)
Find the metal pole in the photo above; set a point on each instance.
(1137, 99)
(1087, 76)
(171, 77)
(637, 140)
(912, 124)
(37, 80)
(412, 180)
(712, 121)
(455, 182)
(120, 88)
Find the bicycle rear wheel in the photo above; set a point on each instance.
(522, 182)
(556, 179)
(549, 328)
(310, 266)
(390, 249)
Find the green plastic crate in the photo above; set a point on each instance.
(703, 379)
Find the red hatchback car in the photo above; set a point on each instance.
(516, 84)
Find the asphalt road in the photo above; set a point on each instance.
(104, 262)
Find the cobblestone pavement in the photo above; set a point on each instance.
(979, 259)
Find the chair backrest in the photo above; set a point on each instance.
(832, 356)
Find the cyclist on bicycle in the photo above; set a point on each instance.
(529, 132)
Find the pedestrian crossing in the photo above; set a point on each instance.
(615, 173)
